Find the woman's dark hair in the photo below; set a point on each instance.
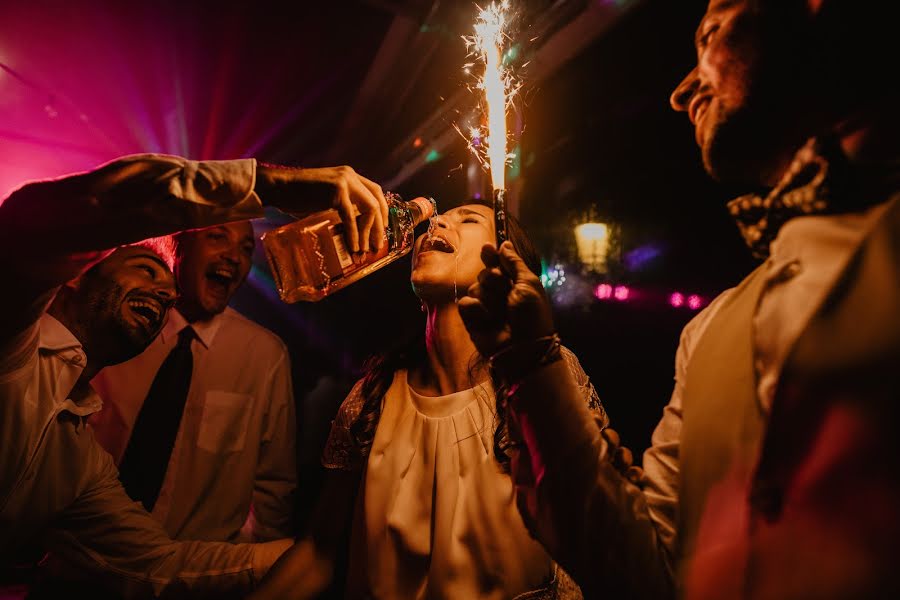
(380, 369)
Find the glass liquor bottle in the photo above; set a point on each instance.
(310, 260)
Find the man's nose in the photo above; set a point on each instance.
(166, 291)
(231, 254)
(441, 221)
(681, 97)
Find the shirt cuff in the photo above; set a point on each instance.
(265, 554)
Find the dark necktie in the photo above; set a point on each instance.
(146, 458)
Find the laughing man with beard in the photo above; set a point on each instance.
(775, 469)
(227, 469)
(74, 302)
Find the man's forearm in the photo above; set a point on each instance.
(594, 522)
(124, 201)
(52, 231)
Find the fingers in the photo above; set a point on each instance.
(622, 459)
(489, 256)
(348, 216)
(379, 213)
(366, 223)
(371, 223)
(303, 191)
(612, 437)
(363, 198)
(512, 264)
(493, 288)
(635, 475)
(474, 314)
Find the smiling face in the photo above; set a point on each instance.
(211, 264)
(746, 96)
(120, 305)
(447, 263)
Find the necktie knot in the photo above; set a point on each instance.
(186, 336)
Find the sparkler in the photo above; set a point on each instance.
(498, 87)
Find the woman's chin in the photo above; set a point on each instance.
(436, 293)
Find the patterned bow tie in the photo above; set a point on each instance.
(820, 181)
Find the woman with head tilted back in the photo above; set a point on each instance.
(418, 466)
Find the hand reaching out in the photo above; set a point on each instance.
(507, 305)
(304, 191)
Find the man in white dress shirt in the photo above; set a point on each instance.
(75, 302)
(775, 470)
(231, 474)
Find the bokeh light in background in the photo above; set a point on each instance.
(317, 83)
(85, 82)
(592, 240)
(604, 291)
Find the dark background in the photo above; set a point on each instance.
(378, 85)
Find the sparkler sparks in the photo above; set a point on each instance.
(498, 87)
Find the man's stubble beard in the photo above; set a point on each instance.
(749, 147)
(105, 319)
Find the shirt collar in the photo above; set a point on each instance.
(205, 330)
(54, 336)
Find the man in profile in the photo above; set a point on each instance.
(775, 470)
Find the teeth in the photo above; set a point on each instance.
(441, 243)
(144, 304)
(223, 273)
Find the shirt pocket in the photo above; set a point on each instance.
(223, 426)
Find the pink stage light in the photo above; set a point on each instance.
(604, 291)
(622, 292)
(676, 300)
(694, 302)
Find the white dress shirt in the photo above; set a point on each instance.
(806, 257)
(234, 460)
(58, 488)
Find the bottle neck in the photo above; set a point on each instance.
(420, 210)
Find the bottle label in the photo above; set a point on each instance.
(343, 256)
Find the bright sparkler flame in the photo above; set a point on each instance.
(496, 83)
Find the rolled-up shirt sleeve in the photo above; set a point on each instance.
(53, 230)
(613, 536)
(116, 542)
(127, 200)
(661, 462)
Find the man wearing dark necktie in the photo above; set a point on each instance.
(205, 431)
(147, 456)
(80, 298)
